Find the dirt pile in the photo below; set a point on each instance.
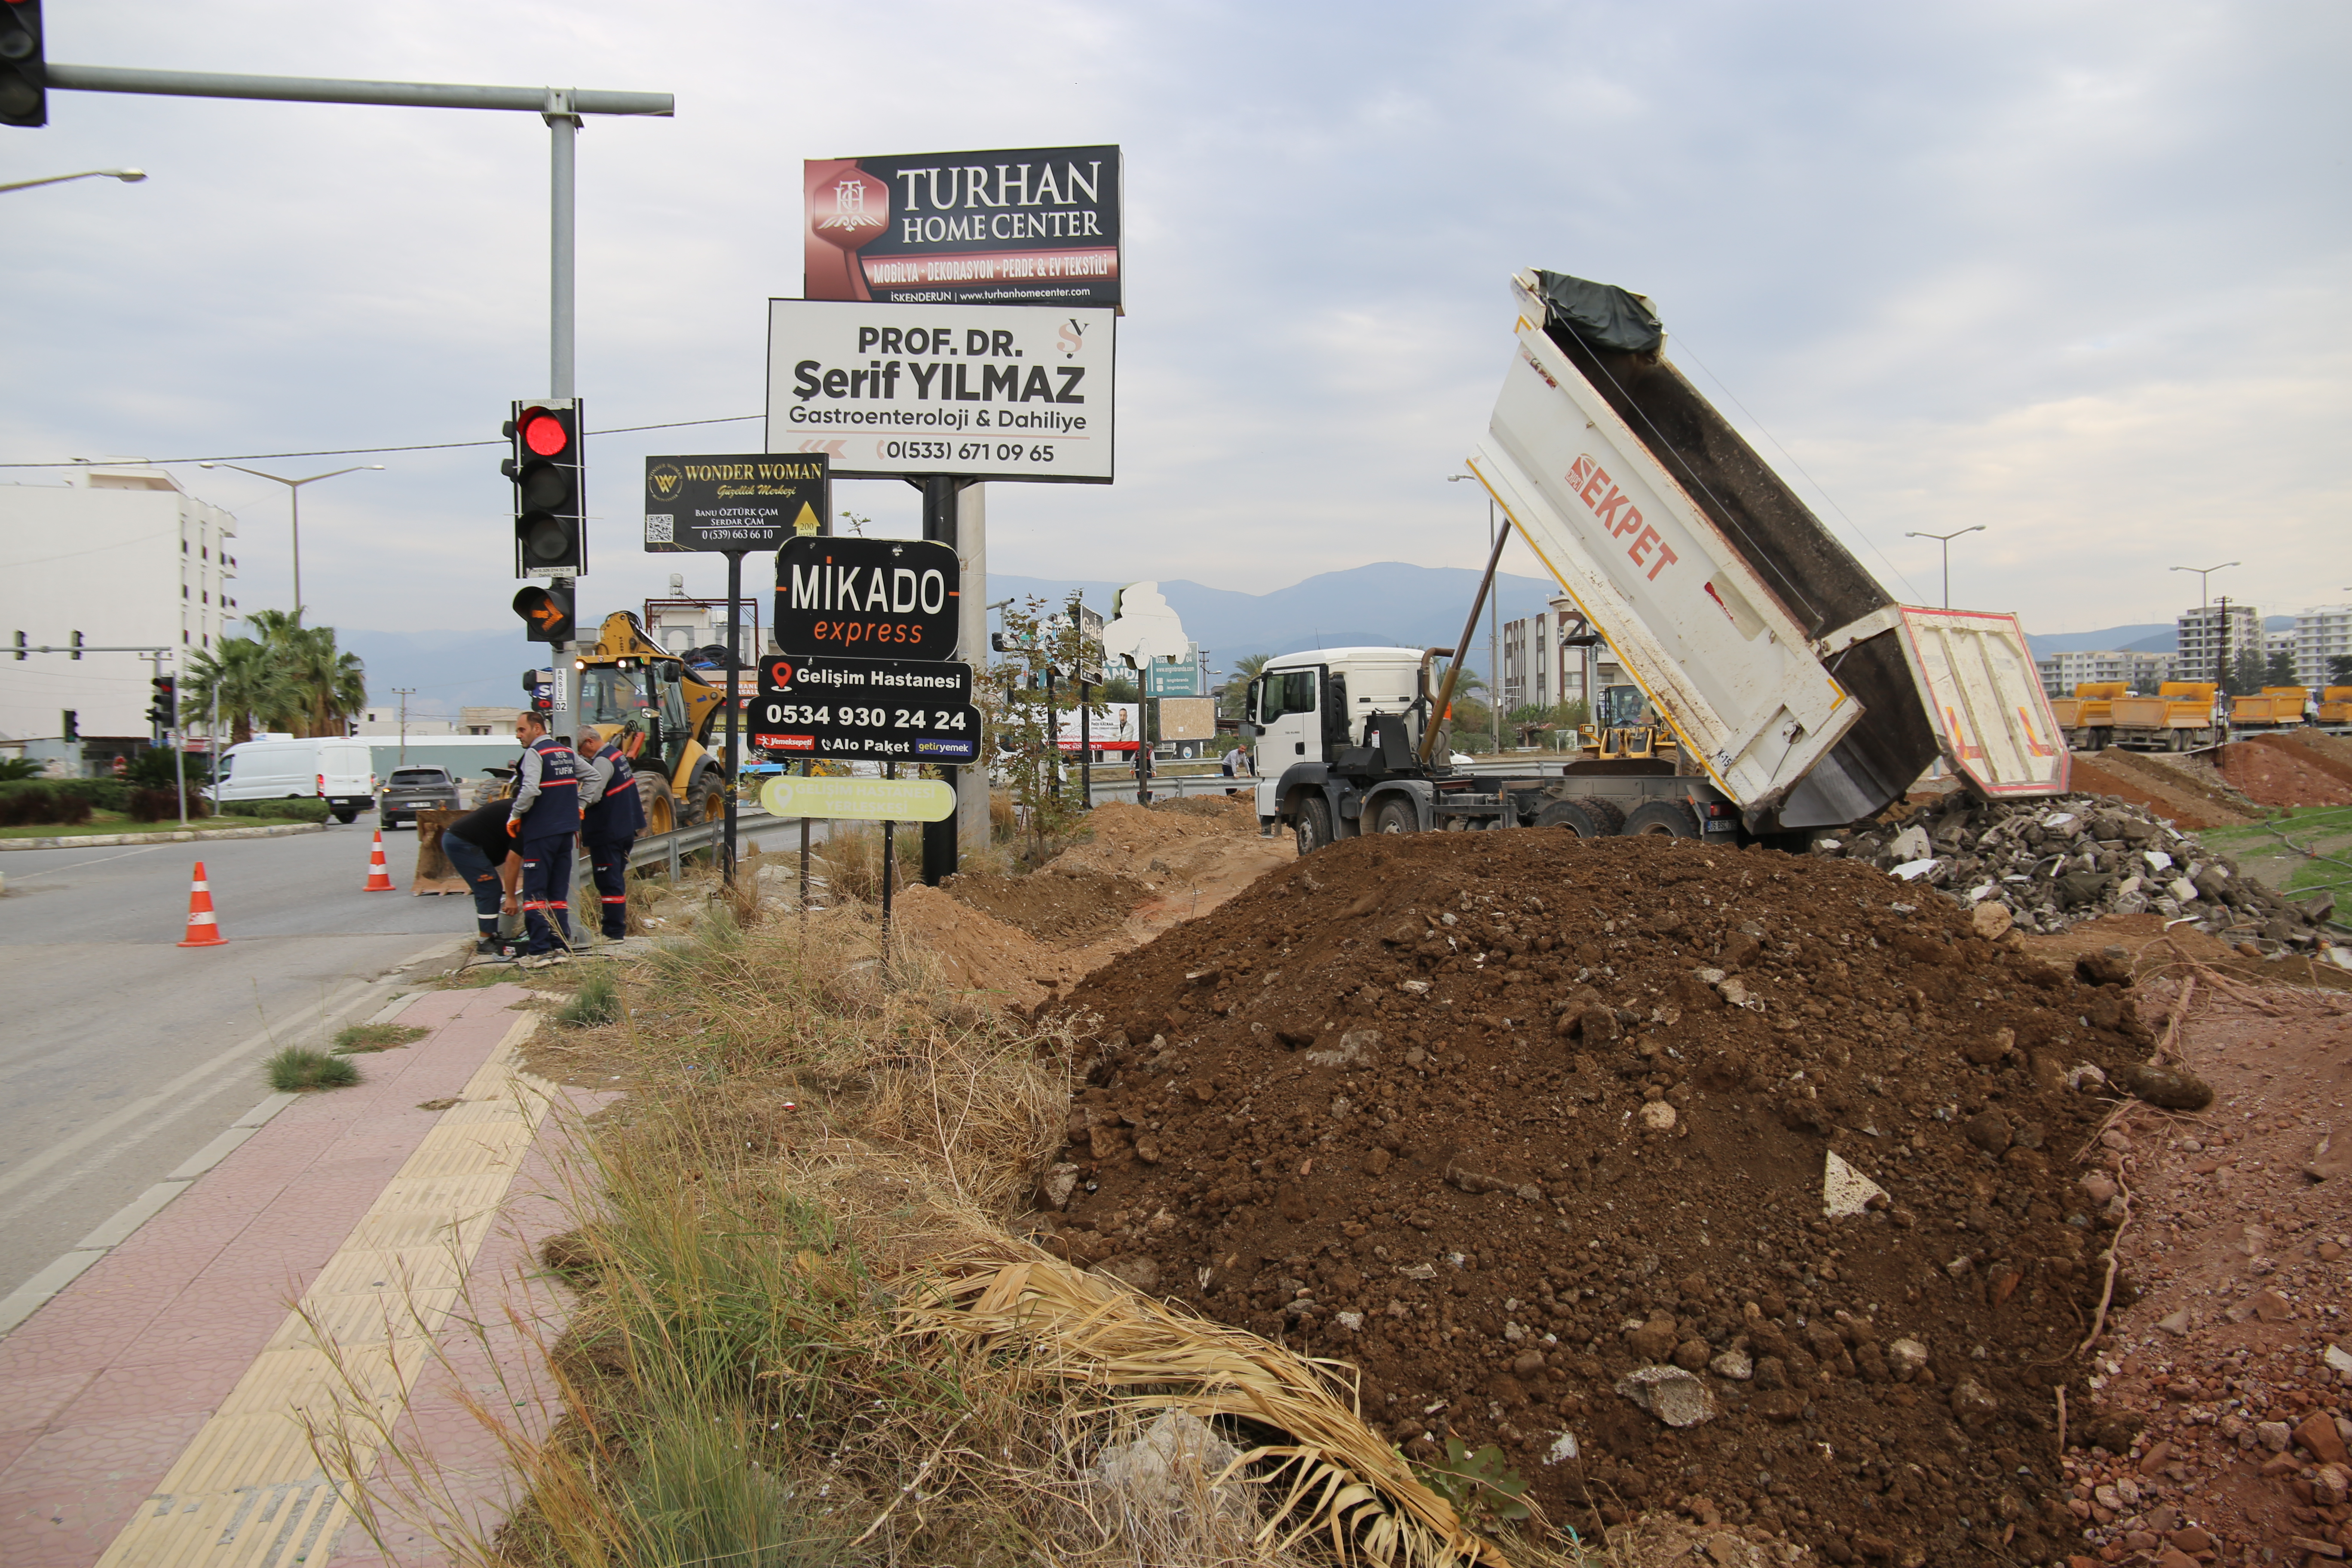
(2272, 770)
(2045, 864)
(2186, 792)
(1538, 1133)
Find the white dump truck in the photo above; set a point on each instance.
(1799, 692)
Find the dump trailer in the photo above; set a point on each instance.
(2088, 718)
(2277, 708)
(1799, 693)
(2178, 717)
(2334, 714)
(647, 702)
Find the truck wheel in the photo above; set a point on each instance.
(1395, 815)
(348, 818)
(1583, 819)
(706, 806)
(1314, 824)
(1661, 819)
(661, 810)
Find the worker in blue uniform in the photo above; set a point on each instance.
(610, 817)
(542, 818)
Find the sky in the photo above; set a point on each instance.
(2073, 271)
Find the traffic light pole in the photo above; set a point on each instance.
(564, 128)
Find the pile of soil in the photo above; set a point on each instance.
(1057, 904)
(2272, 770)
(2175, 794)
(1502, 1119)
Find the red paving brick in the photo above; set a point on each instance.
(102, 1388)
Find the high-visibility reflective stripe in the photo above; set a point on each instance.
(622, 899)
(202, 918)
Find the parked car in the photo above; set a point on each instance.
(334, 769)
(411, 790)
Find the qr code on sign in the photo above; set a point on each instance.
(659, 529)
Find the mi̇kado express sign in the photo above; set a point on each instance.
(871, 598)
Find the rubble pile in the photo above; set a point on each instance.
(1721, 1181)
(2045, 865)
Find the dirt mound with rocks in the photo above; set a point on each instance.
(2270, 771)
(2187, 797)
(1712, 1179)
(2045, 865)
(1056, 903)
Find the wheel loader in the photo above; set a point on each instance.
(643, 699)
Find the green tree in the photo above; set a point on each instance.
(323, 687)
(2339, 669)
(2279, 669)
(247, 682)
(1246, 669)
(2245, 674)
(1019, 721)
(1118, 689)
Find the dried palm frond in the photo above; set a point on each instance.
(1334, 1477)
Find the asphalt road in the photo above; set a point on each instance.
(124, 1053)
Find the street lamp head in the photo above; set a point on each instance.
(128, 177)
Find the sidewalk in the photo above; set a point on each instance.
(153, 1412)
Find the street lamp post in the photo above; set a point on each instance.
(128, 177)
(294, 500)
(2202, 573)
(1494, 631)
(1945, 539)
(2204, 608)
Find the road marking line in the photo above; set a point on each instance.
(53, 870)
(249, 1490)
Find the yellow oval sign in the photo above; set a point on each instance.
(859, 799)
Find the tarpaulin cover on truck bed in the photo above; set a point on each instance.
(1603, 314)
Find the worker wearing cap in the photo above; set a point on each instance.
(542, 818)
(610, 817)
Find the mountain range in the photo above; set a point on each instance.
(2155, 638)
(1388, 603)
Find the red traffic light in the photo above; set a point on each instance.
(543, 433)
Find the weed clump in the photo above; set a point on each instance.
(298, 1070)
(361, 1037)
(598, 1001)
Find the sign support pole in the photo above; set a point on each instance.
(1086, 744)
(734, 710)
(890, 863)
(940, 504)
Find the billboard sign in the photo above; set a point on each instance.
(1034, 225)
(1188, 718)
(887, 391)
(749, 500)
(865, 710)
(1090, 623)
(862, 800)
(890, 598)
(1181, 679)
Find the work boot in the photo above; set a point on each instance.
(490, 949)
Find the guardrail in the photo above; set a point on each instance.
(672, 847)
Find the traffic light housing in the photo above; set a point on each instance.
(23, 74)
(551, 517)
(164, 711)
(546, 612)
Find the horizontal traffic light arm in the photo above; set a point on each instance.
(338, 90)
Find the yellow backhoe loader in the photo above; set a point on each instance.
(643, 699)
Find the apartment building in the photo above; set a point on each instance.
(124, 555)
(1539, 670)
(2319, 635)
(2200, 639)
(2142, 672)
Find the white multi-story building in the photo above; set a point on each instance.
(123, 555)
(2319, 635)
(2197, 657)
(387, 720)
(1540, 671)
(2142, 672)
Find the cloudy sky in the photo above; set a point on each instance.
(2073, 271)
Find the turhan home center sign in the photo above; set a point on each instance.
(1034, 226)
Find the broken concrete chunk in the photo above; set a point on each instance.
(1675, 1396)
(1845, 1192)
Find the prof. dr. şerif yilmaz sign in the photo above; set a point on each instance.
(984, 391)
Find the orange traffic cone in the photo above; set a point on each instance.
(379, 874)
(202, 929)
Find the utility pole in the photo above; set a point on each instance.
(1493, 622)
(404, 693)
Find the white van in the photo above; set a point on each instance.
(280, 767)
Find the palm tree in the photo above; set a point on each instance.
(320, 687)
(1246, 669)
(239, 682)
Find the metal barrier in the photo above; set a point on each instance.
(670, 848)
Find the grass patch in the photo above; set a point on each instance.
(2311, 845)
(361, 1037)
(101, 822)
(597, 1001)
(298, 1070)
